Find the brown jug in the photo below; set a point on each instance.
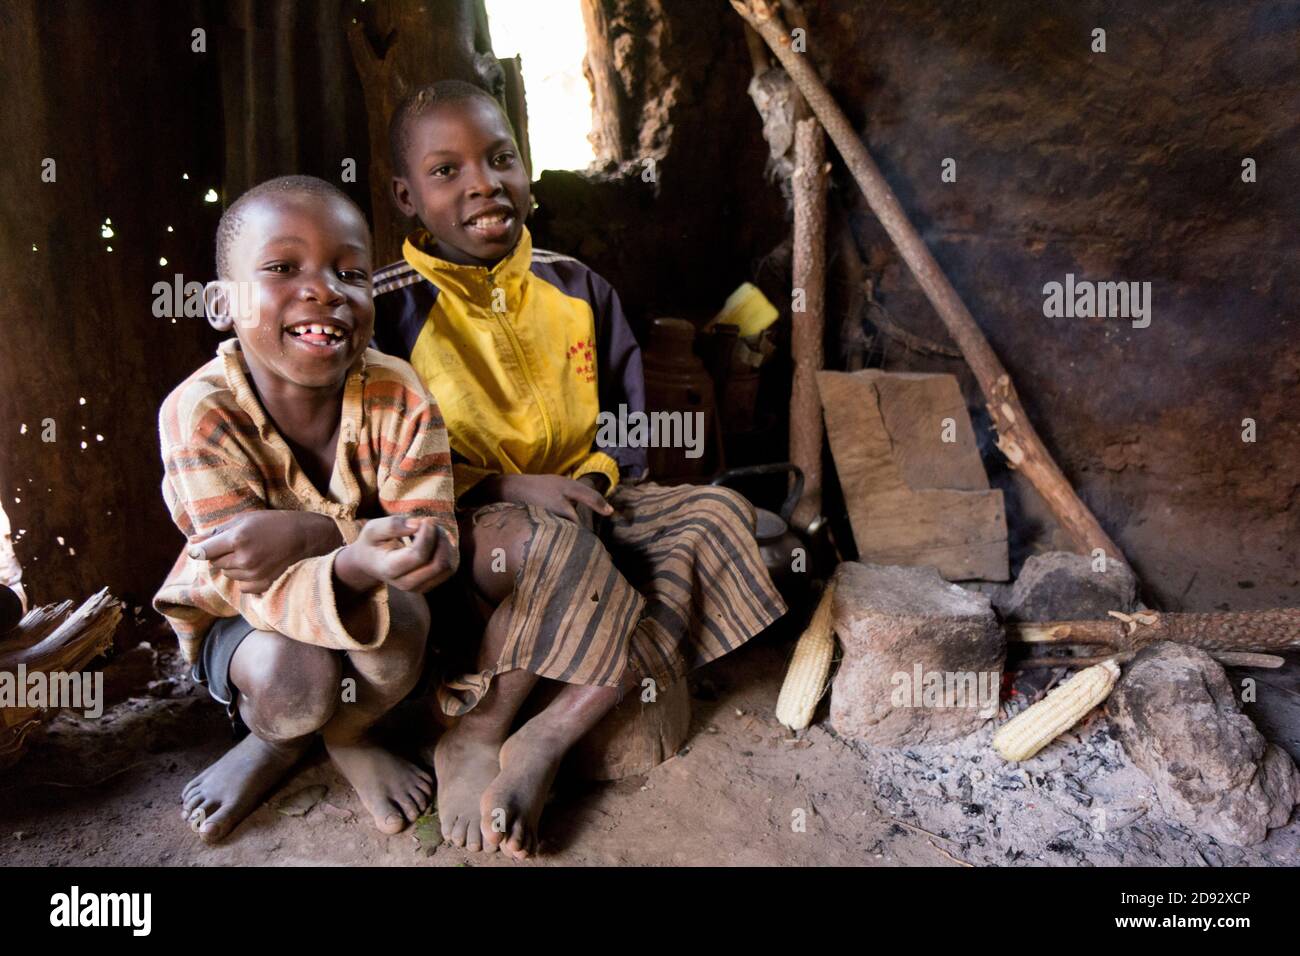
(676, 381)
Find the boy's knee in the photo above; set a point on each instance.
(408, 623)
(501, 540)
(290, 689)
(394, 667)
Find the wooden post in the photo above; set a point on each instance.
(1016, 435)
(808, 323)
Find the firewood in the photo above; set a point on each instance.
(1230, 658)
(1017, 438)
(1269, 631)
(49, 639)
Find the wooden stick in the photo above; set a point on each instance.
(1016, 435)
(1269, 631)
(52, 638)
(758, 60)
(1231, 658)
(808, 326)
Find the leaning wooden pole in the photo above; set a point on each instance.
(1016, 435)
(809, 322)
(1275, 630)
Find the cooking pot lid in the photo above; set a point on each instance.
(769, 525)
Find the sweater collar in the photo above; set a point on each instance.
(474, 283)
(240, 381)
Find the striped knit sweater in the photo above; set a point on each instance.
(223, 457)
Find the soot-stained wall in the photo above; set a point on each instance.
(1124, 165)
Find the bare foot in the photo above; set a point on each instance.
(464, 765)
(218, 798)
(512, 804)
(394, 790)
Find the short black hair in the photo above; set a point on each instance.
(423, 99)
(232, 220)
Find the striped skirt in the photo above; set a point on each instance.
(671, 581)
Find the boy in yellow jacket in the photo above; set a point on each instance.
(591, 580)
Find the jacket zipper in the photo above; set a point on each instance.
(523, 364)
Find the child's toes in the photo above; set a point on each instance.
(390, 818)
(409, 806)
(191, 800)
(493, 833)
(474, 837)
(216, 827)
(458, 831)
(421, 799)
(199, 808)
(519, 843)
(193, 787)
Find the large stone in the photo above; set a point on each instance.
(1060, 586)
(1178, 720)
(922, 657)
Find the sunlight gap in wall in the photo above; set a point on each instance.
(551, 39)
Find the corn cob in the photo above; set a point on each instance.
(805, 681)
(1034, 728)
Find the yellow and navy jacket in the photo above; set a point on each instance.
(521, 358)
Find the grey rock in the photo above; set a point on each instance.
(922, 657)
(1061, 586)
(1178, 720)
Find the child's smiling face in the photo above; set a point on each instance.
(464, 180)
(306, 261)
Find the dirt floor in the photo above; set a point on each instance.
(105, 792)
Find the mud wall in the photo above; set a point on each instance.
(1123, 165)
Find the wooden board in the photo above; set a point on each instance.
(913, 498)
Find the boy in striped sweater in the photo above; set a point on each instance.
(298, 613)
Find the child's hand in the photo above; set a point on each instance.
(256, 548)
(558, 495)
(410, 554)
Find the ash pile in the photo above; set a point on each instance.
(985, 722)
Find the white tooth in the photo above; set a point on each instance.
(318, 329)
